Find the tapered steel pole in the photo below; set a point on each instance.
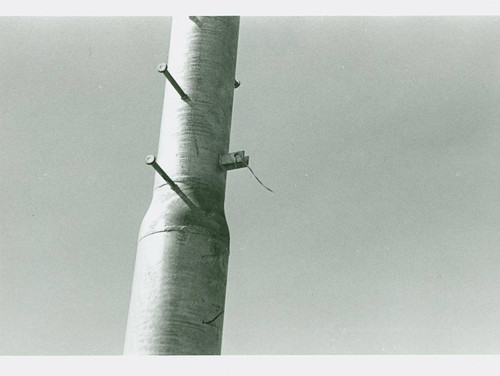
(179, 286)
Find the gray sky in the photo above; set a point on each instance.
(379, 137)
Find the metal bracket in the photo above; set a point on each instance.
(234, 160)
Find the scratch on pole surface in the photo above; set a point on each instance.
(215, 318)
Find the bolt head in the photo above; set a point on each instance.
(150, 159)
(162, 67)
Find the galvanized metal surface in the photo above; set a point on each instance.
(178, 293)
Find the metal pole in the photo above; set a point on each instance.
(179, 287)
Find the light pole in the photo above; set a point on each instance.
(179, 286)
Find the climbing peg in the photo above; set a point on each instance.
(162, 68)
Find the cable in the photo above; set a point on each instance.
(253, 173)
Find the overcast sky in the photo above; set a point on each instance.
(379, 136)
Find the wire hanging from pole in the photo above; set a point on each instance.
(253, 173)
